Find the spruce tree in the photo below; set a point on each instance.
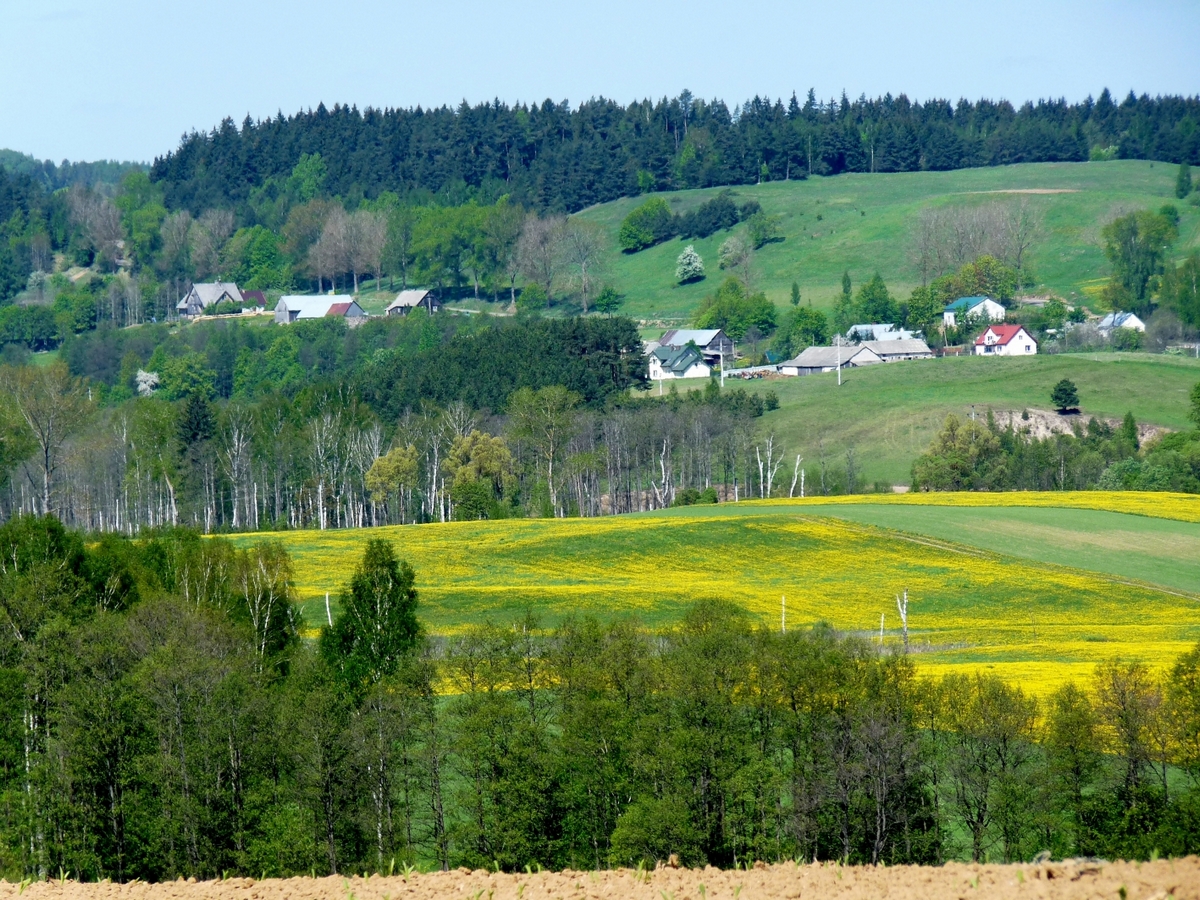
(795, 294)
(846, 284)
(1065, 395)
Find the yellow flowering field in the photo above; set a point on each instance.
(968, 608)
(1158, 505)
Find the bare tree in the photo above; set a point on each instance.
(540, 250)
(336, 240)
(584, 250)
(100, 220)
(53, 406)
(370, 232)
(206, 236)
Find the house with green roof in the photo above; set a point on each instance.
(983, 309)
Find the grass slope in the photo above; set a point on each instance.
(971, 608)
(867, 219)
(889, 413)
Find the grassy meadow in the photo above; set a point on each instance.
(890, 413)
(865, 221)
(1020, 613)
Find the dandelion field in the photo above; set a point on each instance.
(969, 607)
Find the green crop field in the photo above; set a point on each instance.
(1018, 613)
(889, 413)
(866, 221)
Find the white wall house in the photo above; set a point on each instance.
(667, 363)
(1005, 340)
(292, 307)
(983, 308)
(1121, 320)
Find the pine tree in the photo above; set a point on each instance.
(689, 266)
(1065, 395)
(795, 294)
(846, 284)
(1183, 182)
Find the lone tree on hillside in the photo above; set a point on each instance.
(1065, 396)
(689, 266)
(1183, 181)
(1194, 415)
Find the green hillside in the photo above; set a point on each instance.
(889, 413)
(865, 225)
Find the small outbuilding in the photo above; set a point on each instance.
(407, 301)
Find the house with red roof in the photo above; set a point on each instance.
(1005, 340)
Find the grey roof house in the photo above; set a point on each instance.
(677, 362)
(407, 301)
(711, 342)
(208, 294)
(827, 359)
(895, 350)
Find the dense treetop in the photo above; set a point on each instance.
(550, 156)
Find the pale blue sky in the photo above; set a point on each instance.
(125, 78)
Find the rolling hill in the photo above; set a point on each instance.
(1019, 612)
(862, 223)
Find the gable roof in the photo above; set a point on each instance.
(210, 292)
(677, 360)
(258, 298)
(827, 357)
(964, 303)
(879, 331)
(1004, 334)
(1119, 320)
(307, 307)
(898, 347)
(679, 337)
(408, 299)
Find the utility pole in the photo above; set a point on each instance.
(837, 342)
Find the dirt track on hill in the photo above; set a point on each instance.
(1178, 879)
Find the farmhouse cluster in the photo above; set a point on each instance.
(224, 297)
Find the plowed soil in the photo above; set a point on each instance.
(1160, 880)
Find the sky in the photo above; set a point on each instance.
(124, 79)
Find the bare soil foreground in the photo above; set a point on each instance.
(1160, 880)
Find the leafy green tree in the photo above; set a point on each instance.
(608, 301)
(1065, 395)
(546, 419)
(795, 294)
(736, 311)
(1183, 181)
(1136, 245)
(764, 229)
(1194, 398)
(647, 225)
(874, 303)
(378, 624)
(1181, 289)
(532, 298)
(689, 266)
(965, 456)
(846, 287)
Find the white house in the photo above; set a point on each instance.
(711, 342)
(1005, 340)
(895, 350)
(293, 307)
(407, 301)
(984, 308)
(878, 332)
(827, 359)
(208, 294)
(677, 362)
(1121, 320)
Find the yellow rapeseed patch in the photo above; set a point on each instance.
(1181, 507)
(969, 609)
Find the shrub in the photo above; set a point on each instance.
(649, 224)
